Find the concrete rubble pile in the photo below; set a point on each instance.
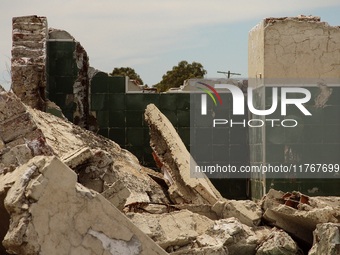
(28, 60)
(65, 190)
(298, 214)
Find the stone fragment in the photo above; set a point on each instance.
(247, 211)
(278, 243)
(184, 232)
(77, 158)
(172, 153)
(117, 194)
(39, 146)
(19, 155)
(28, 60)
(10, 106)
(106, 162)
(2, 145)
(53, 214)
(11, 129)
(205, 210)
(237, 237)
(326, 239)
(210, 250)
(15, 142)
(298, 214)
(171, 229)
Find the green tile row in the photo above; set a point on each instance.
(108, 118)
(57, 49)
(63, 67)
(165, 102)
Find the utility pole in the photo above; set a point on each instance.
(229, 73)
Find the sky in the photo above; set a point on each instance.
(153, 36)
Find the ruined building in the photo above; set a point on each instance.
(302, 52)
(66, 190)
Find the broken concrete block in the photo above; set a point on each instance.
(15, 142)
(52, 214)
(2, 145)
(205, 210)
(77, 158)
(210, 250)
(19, 155)
(28, 60)
(91, 178)
(298, 214)
(171, 229)
(172, 153)
(10, 106)
(13, 127)
(45, 134)
(117, 194)
(247, 211)
(326, 239)
(185, 232)
(237, 237)
(278, 243)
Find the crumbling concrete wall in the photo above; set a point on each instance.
(28, 60)
(294, 47)
(295, 52)
(53, 214)
(20, 138)
(100, 163)
(299, 214)
(82, 90)
(326, 239)
(69, 77)
(176, 160)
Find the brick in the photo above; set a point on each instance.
(10, 106)
(14, 128)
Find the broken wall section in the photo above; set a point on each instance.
(69, 79)
(28, 60)
(53, 214)
(296, 52)
(293, 47)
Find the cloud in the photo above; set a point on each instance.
(135, 31)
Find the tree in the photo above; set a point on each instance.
(127, 71)
(175, 77)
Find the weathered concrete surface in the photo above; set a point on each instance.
(298, 214)
(171, 229)
(247, 211)
(76, 158)
(326, 239)
(211, 250)
(28, 60)
(53, 214)
(294, 47)
(20, 138)
(117, 194)
(278, 243)
(205, 210)
(100, 162)
(174, 156)
(237, 237)
(184, 231)
(109, 163)
(82, 89)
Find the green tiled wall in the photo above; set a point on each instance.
(61, 73)
(120, 115)
(120, 118)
